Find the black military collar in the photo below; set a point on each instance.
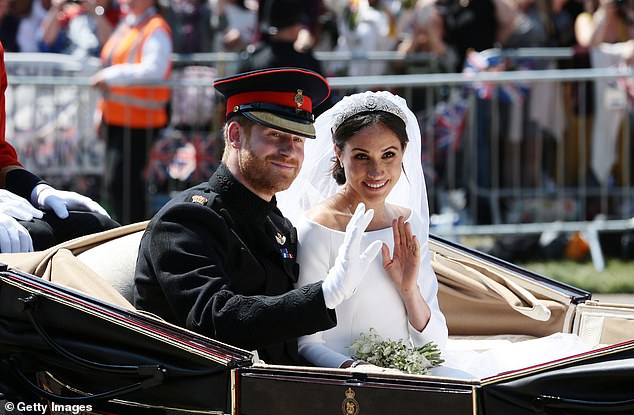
(237, 197)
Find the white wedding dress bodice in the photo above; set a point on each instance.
(376, 302)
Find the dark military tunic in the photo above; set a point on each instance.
(219, 260)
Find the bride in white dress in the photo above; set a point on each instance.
(375, 160)
(374, 154)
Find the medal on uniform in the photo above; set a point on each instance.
(281, 239)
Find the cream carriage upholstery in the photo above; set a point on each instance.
(100, 265)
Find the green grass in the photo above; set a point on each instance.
(618, 276)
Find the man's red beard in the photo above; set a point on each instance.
(261, 176)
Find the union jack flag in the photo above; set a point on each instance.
(477, 62)
(441, 131)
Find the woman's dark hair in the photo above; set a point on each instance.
(358, 122)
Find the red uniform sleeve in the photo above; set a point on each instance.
(8, 155)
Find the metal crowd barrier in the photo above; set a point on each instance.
(496, 160)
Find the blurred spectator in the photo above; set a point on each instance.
(193, 31)
(579, 96)
(236, 24)
(78, 27)
(426, 36)
(327, 31)
(430, 54)
(139, 50)
(537, 115)
(191, 24)
(365, 27)
(564, 14)
(531, 25)
(477, 24)
(287, 31)
(8, 26)
(32, 14)
(606, 21)
(547, 22)
(34, 215)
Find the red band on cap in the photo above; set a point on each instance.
(288, 99)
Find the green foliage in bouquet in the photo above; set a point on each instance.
(395, 354)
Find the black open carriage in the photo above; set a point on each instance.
(64, 348)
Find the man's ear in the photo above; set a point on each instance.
(233, 133)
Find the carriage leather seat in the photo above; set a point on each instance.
(100, 265)
(114, 261)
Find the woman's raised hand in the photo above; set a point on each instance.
(403, 269)
(403, 265)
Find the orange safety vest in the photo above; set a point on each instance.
(134, 106)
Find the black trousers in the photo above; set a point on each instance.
(51, 230)
(125, 192)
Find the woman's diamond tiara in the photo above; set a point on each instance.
(366, 102)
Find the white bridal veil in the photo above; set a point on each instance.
(315, 182)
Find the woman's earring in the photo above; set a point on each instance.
(341, 164)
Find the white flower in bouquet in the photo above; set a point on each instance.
(395, 354)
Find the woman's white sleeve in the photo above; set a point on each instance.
(314, 259)
(436, 329)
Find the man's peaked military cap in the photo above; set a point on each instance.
(280, 98)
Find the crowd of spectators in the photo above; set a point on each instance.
(446, 28)
(436, 36)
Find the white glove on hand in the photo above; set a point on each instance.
(18, 207)
(60, 201)
(13, 236)
(350, 265)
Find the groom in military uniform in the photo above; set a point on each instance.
(220, 258)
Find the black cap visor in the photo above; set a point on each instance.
(268, 119)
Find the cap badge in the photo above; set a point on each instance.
(201, 200)
(281, 239)
(299, 98)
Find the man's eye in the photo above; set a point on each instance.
(299, 139)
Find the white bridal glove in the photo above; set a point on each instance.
(13, 236)
(61, 201)
(350, 265)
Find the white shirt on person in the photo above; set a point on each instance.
(29, 30)
(156, 56)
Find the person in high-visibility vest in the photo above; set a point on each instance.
(133, 110)
(33, 214)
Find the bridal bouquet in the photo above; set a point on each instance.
(395, 354)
